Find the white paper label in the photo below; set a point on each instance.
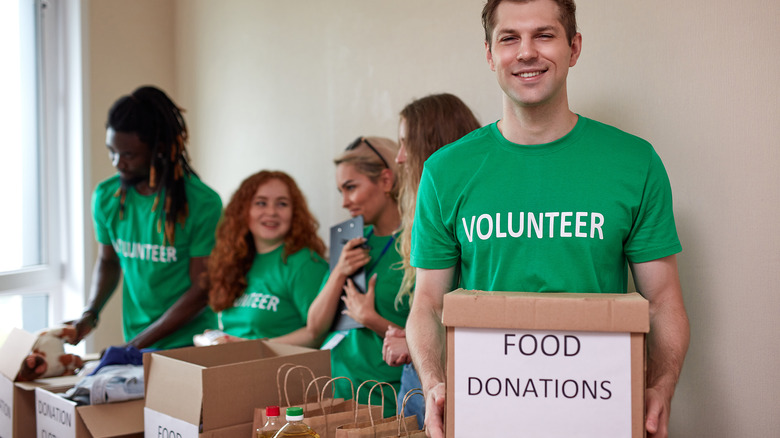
(55, 417)
(6, 407)
(542, 383)
(158, 425)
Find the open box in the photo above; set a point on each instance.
(545, 364)
(22, 403)
(61, 418)
(213, 391)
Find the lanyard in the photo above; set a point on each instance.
(371, 267)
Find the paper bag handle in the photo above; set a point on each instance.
(381, 386)
(407, 396)
(278, 380)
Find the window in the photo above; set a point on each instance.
(38, 213)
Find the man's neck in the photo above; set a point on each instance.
(536, 125)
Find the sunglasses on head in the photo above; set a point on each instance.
(360, 140)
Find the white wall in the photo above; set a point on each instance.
(129, 44)
(287, 85)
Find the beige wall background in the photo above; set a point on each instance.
(286, 85)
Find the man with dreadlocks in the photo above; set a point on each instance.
(155, 222)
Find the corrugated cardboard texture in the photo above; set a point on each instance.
(24, 401)
(222, 385)
(547, 311)
(237, 431)
(112, 420)
(552, 311)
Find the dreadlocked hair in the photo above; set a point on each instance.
(159, 124)
(235, 250)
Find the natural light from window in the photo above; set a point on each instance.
(20, 220)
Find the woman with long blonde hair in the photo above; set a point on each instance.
(425, 125)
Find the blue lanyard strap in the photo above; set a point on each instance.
(371, 266)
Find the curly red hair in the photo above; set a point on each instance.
(235, 250)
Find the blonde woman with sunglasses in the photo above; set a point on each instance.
(366, 177)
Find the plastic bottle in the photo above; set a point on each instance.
(295, 426)
(272, 425)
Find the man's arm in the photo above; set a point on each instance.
(105, 278)
(667, 342)
(426, 337)
(189, 305)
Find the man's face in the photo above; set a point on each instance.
(129, 155)
(530, 52)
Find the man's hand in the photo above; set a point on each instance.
(83, 326)
(434, 411)
(658, 408)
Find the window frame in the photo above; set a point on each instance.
(61, 275)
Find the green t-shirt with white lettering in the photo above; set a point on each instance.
(359, 355)
(278, 295)
(156, 273)
(564, 216)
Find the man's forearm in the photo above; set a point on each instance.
(105, 278)
(667, 343)
(187, 307)
(426, 338)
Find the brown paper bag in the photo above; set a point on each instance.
(408, 433)
(377, 428)
(326, 414)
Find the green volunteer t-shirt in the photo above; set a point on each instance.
(359, 355)
(156, 272)
(564, 216)
(278, 295)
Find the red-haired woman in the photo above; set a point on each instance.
(266, 267)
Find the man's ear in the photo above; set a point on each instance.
(576, 49)
(489, 56)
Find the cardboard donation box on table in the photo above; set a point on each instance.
(213, 391)
(58, 417)
(545, 364)
(33, 409)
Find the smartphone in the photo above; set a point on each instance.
(340, 234)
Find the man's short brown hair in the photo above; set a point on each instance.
(567, 10)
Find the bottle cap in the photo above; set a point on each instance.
(272, 411)
(294, 414)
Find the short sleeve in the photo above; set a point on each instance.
(654, 234)
(204, 226)
(99, 220)
(307, 281)
(434, 245)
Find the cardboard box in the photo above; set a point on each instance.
(213, 391)
(545, 364)
(58, 417)
(17, 399)
(17, 411)
(21, 405)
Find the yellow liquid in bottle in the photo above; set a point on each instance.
(297, 431)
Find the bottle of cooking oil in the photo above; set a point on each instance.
(272, 425)
(295, 426)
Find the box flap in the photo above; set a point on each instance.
(547, 311)
(113, 419)
(53, 384)
(253, 381)
(173, 387)
(16, 347)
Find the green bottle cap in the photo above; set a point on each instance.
(295, 412)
